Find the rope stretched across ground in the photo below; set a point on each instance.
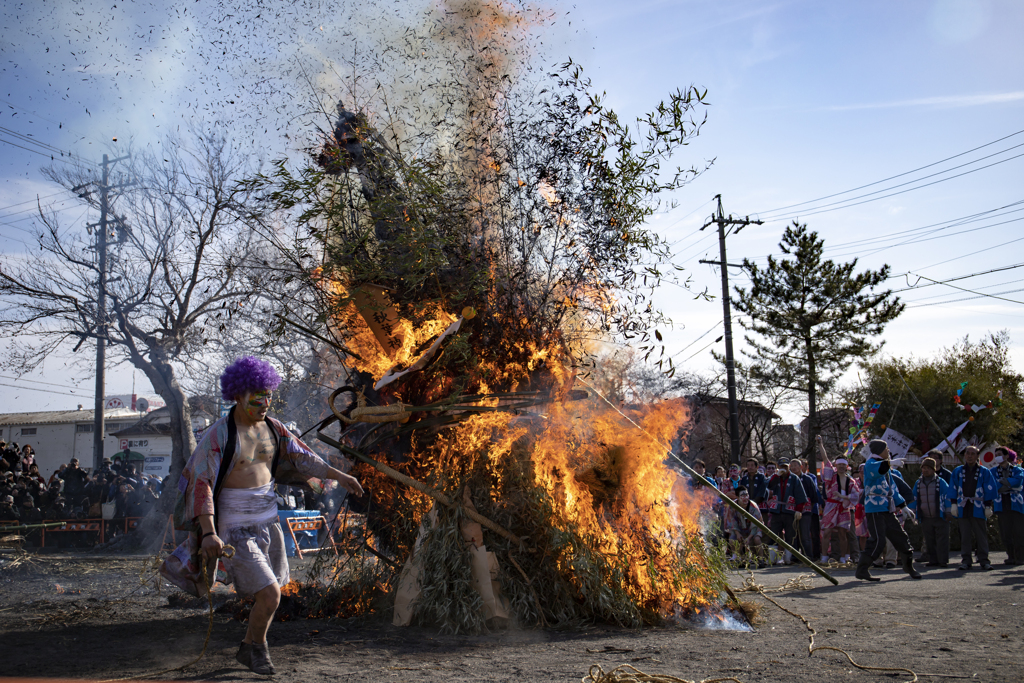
(228, 552)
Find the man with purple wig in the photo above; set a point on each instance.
(244, 512)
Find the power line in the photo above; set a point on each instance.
(58, 123)
(29, 201)
(45, 145)
(969, 298)
(48, 391)
(951, 223)
(957, 258)
(925, 229)
(683, 219)
(886, 196)
(929, 239)
(954, 279)
(971, 291)
(899, 175)
(939, 296)
(50, 156)
(713, 328)
(29, 210)
(34, 381)
(700, 351)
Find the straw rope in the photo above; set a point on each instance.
(796, 583)
(811, 648)
(229, 552)
(627, 673)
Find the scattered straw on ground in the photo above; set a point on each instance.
(631, 674)
(797, 583)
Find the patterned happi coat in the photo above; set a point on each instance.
(880, 493)
(1015, 475)
(743, 527)
(195, 487)
(985, 489)
(837, 509)
(789, 500)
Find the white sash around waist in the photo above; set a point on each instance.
(246, 507)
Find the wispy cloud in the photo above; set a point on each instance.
(955, 101)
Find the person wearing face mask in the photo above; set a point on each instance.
(1009, 504)
(972, 489)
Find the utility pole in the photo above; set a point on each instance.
(102, 230)
(730, 361)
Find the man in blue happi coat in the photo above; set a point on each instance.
(1009, 503)
(881, 501)
(973, 488)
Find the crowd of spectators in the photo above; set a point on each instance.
(71, 492)
(822, 514)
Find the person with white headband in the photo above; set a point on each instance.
(841, 495)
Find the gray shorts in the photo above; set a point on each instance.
(260, 557)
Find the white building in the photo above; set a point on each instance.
(147, 442)
(56, 436)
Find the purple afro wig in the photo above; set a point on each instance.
(248, 374)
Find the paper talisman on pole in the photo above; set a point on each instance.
(951, 439)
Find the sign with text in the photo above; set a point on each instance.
(898, 444)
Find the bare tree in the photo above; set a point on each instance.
(179, 270)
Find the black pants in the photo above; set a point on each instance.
(1011, 530)
(882, 526)
(782, 525)
(810, 536)
(935, 531)
(974, 530)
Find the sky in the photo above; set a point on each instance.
(808, 100)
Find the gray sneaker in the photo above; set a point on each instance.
(244, 655)
(259, 660)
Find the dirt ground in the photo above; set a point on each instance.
(89, 617)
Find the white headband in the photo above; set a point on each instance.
(842, 461)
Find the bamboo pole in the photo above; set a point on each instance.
(423, 488)
(949, 446)
(754, 520)
(729, 501)
(46, 525)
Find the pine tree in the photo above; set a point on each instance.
(811, 317)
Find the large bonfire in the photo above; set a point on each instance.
(464, 265)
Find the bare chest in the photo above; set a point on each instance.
(256, 447)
